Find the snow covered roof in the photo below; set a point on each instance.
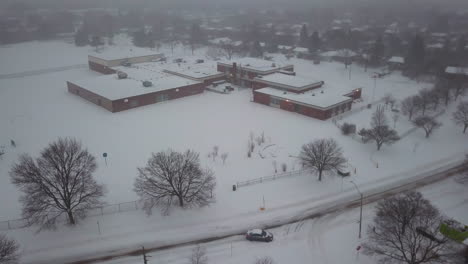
(254, 64)
(284, 47)
(439, 35)
(313, 98)
(435, 46)
(339, 53)
(122, 52)
(110, 87)
(396, 59)
(300, 49)
(219, 41)
(255, 231)
(194, 72)
(289, 81)
(456, 70)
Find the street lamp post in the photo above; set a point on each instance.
(360, 213)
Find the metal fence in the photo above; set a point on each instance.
(98, 211)
(270, 178)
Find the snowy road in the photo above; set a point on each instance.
(175, 237)
(329, 239)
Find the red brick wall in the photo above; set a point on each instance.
(210, 81)
(221, 68)
(100, 68)
(258, 85)
(261, 98)
(147, 99)
(92, 97)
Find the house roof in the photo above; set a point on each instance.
(339, 53)
(456, 70)
(197, 72)
(122, 52)
(396, 59)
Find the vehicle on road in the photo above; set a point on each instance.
(259, 235)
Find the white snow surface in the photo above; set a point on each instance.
(315, 97)
(36, 110)
(289, 80)
(456, 70)
(396, 59)
(113, 88)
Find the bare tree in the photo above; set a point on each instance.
(228, 50)
(322, 155)
(275, 166)
(58, 182)
(425, 99)
(405, 230)
(284, 167)
(214, 153)
(172, 176)
(9, 250)
(395, 118)
(409, 106)
(199, 255)
(427, 123)
(224, 157)
(379, 132)
(389, 100)
(460, 116)
(264, 260)
(442, 88)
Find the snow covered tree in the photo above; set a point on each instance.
(96, 41)
(264, 260)
(257, 50)
(427, 123)
(410, 105)
(389, 100)
(81, 38)
(59, 182)
(170, 177)
(8, 250)
(314, 42)
(379, 132)
(460, 116)
(405, 230)
(322, 155)
(196, 36)
(303, 36)
(378, 52)
(224, 157)
(228, 50)
(425, 99)
(199, 255)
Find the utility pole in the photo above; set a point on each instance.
(145, 257)
(360, 213)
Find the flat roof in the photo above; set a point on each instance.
(122, 52)
(110, 87)
(456, 70)
(312, 98)
(197, 71)
(291, 81)
(256, 64)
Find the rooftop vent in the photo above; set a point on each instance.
(147, 84)
(321, 91)
(313, 94)
(122, 75)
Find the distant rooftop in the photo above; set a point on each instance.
(121, 52)
(456, 70)
(255, 64)
(110, 87)
(396, 59)
(315, 98)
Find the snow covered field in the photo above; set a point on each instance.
(36, 110)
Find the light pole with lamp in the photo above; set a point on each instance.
(360, 214)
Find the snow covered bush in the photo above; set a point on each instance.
(8, 250)
(348, 128)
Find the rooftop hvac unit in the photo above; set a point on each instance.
(122, 75)
(147, 84)
(313, 94)
(321, 91)
(273, 65)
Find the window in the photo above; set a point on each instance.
(297, 108)
(275, 101)
(161, 98)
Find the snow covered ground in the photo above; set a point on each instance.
(325, 240)
(36, 110)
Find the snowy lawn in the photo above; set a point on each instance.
(37, 110)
